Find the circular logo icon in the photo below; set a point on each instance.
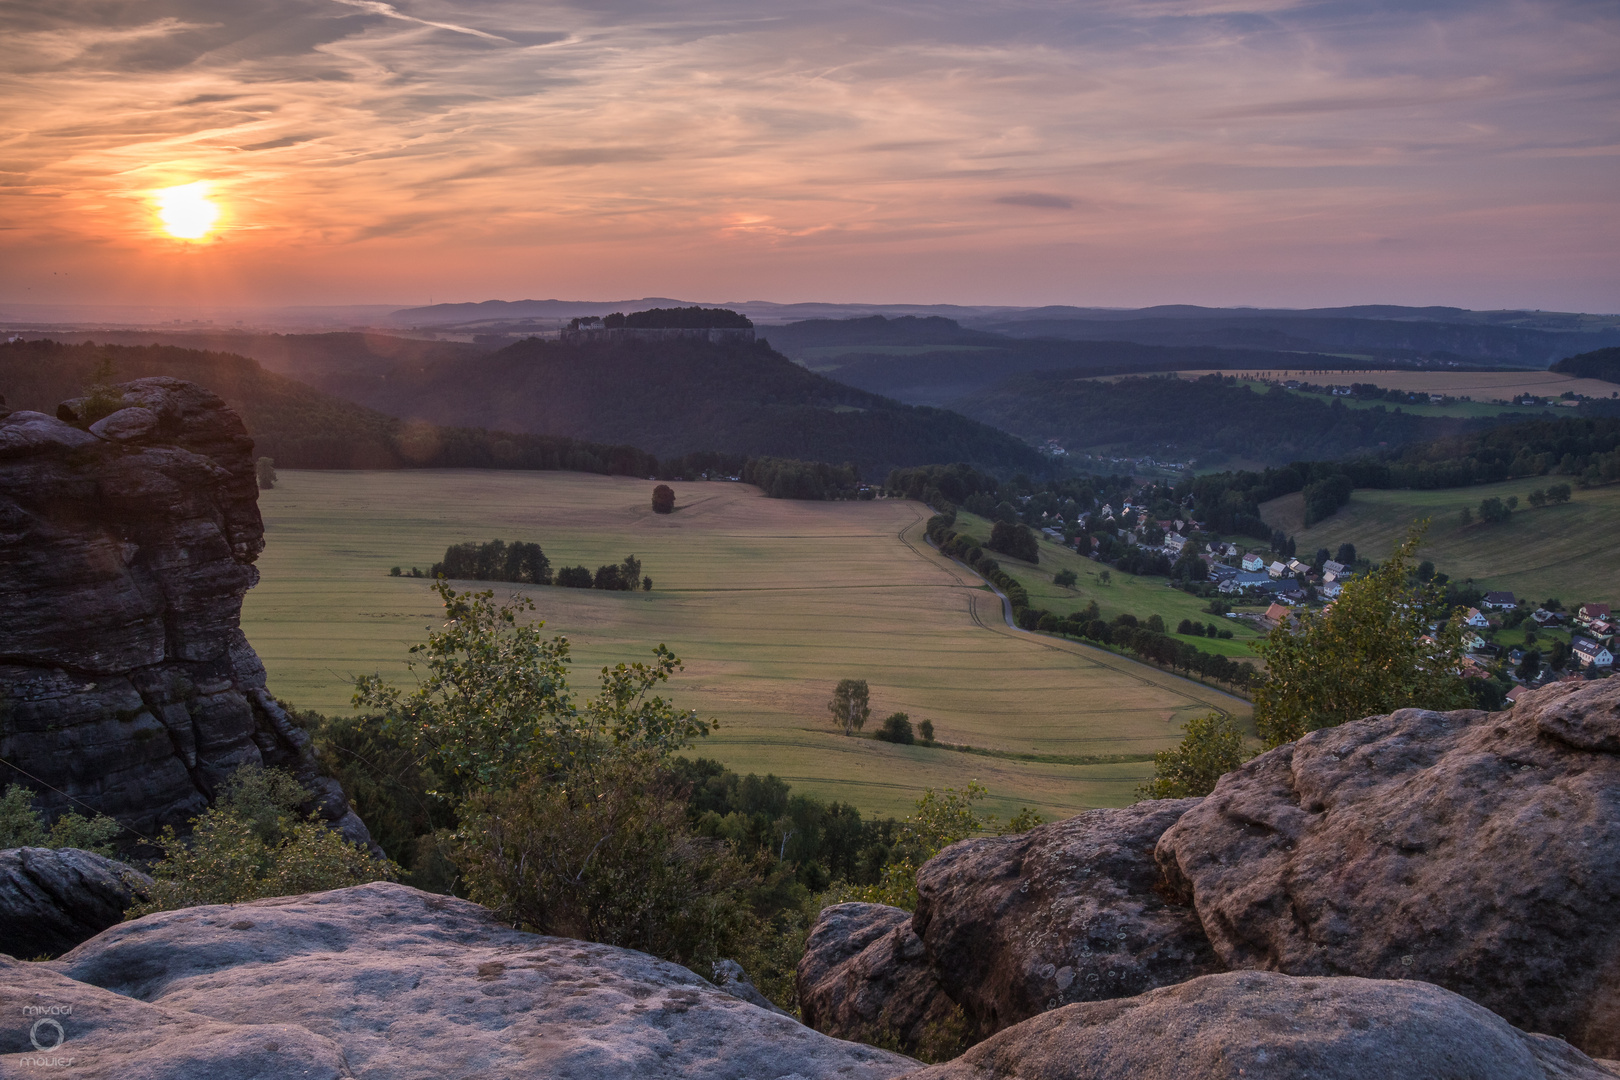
(43, 1025)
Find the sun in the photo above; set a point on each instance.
(185, 210)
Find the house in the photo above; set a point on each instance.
(1334, 567)
(1253, 563)
(1588, 613)
(1501, 601)
(1591, 654)
(1476, 619)
(1516, 693)
(1278, 613)
(1473, 643)
(1277, 569)
(1331, 590)
(1544, 617)
(1515, 656)
(1221, 572)
(1297, 567)
(1053, 534)
(1173, 544)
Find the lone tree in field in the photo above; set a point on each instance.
(850, 705)
(663, 499)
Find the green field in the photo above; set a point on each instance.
(1564, 551)
(768, 601)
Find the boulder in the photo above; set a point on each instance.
(1070, 911)
(1479, 852)
(1266, 1026)
(412, 985)
(56, 1026)
(52, 899)
(864, 976)
(125, 551)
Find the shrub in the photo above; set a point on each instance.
(607, 855)
(607, 578)
(22, 826)
(251, 844)
(574, 577)
(663, 499)
(1211, 748)
(897, 729)
(925, 728)
(1014, 540)
(1064, 579)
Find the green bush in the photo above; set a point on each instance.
(251, 844)
(1212, 747)
(607, 855)
(897, 729)
(22, 826)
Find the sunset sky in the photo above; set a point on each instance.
(1100, 152)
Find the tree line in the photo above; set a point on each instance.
(526, 564)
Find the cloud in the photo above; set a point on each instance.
(746, 145)
(1037, 200)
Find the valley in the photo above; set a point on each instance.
(770, 602)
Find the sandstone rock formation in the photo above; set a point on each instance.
(1266, 1026)
(390, 983)
(864, 976)
(125, 550)
(1480, 852)
(1070, 911)
(50, 900)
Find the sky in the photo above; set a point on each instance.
(1096, 152)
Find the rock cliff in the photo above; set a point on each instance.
(1478, 852)
(126, 545)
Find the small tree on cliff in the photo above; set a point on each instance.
(663, 499)
(850, 704)
(265, 470)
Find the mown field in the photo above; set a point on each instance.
(769, 602)
(1563, 551)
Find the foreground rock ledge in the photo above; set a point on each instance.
(1477, 851)
(1264, 1026)
(385, 981)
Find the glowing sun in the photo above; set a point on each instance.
(185, 210)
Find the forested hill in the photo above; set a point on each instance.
(1212, 419)
(297, 425)
(677, 397)
(1599, 364)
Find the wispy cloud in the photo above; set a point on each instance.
(510, 147)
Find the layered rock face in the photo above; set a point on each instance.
(390, 983)
(864, 976)
(125, 550)
(53, 899)
(1477, 851)
(1071, 911)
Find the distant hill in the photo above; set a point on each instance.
(1599, 364)
(297, 425)
(676, 397)
(1376, 333)
(1209, 419)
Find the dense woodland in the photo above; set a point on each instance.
(1600, 364)
(1211, 419)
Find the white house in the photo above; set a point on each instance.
(1499, 600)
(1332, 566)
(1277, 570)
(1253, 563)
(1591, 654)
(1173, 543)
(1475, 619)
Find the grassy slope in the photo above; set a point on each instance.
(769, 602)
(1564, 551)
(1139, 596)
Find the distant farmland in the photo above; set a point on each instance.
(1481, 386)
(769, 602)
(1564, 551)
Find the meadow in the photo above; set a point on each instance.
(1487, 391)
(1557, 551)
(769, 602)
